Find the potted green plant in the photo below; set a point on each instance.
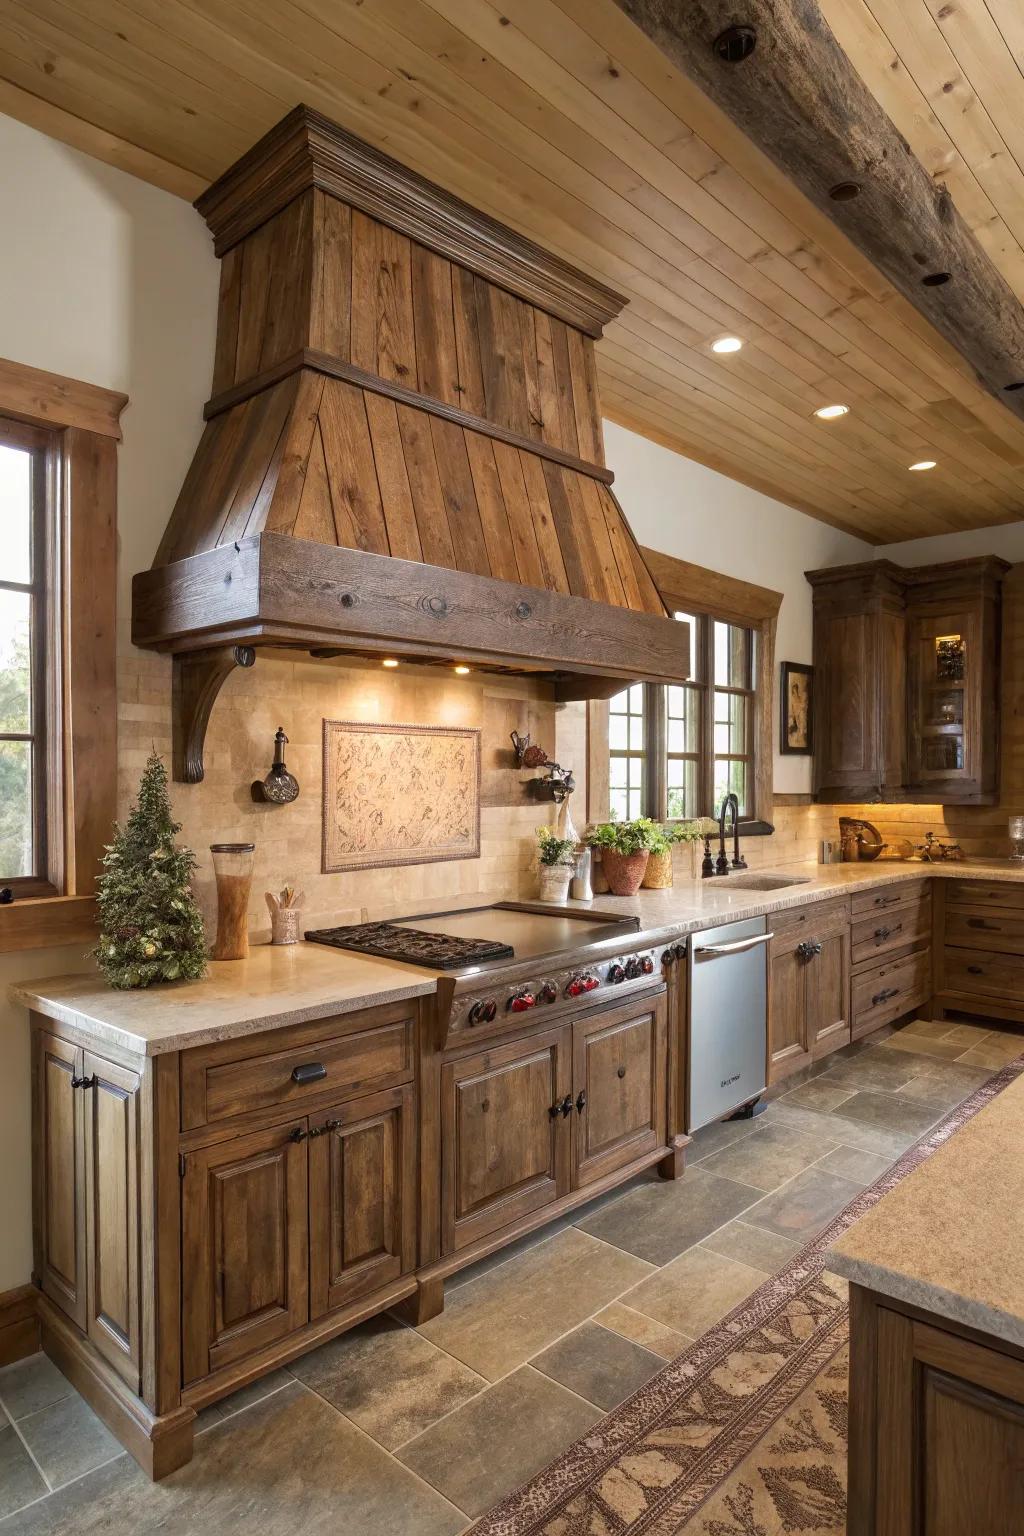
(557, 858)
(625, 848)
(658, 874)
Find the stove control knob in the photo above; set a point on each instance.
(574, 986)
(520, 1001)
(549, 992)
(590, 982)
(616, 973)
(483, 1011)
(633, 968)
(647, 965)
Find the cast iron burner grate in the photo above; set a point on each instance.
(417, 946)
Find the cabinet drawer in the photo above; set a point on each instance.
(884, 932)
(885, 992)
(342, 1057)
(1000, 928)
(886, 897)
(819, 919)
(985, 893)
(984, 973)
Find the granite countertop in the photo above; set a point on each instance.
(947, 1237)
(280, 985)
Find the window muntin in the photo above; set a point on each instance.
(24, 855)
(627, 755)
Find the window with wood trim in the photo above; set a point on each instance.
(675, 752)
(29, 663)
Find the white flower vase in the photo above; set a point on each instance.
(554, 882)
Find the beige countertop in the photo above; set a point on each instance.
(947, 1238)
(290, 984)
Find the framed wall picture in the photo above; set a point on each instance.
(399, 794)
(796, 734)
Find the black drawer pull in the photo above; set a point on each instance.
(983, 922)
(312, 1072)
(563, 1107)
(975, 970)
(298, 1134)
(84, 1082)
(325, 1129)
(883, 997)
(881, 934)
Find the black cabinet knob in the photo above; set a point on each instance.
(298, 1134)
(565, 1107)
(581, 1102)
(975, 970)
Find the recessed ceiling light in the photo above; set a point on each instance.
(726, 344)
(922, 464)
(389, 662)
(462, 671)
(831, 412)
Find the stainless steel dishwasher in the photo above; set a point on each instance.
(727, 1060)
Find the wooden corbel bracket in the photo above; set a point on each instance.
(198, 678)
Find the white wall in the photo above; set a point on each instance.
(683, 509)
(105, 279)
(1006, 540)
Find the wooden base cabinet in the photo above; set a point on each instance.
(531, 1122)
(86, 1178)
(979, 950)
(809, 989)
(936, 1426)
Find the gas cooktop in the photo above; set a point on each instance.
(417, 946)
(477, 936)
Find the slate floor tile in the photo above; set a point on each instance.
(768, 1158)
(67, 1440)
(804, 1205)
(832, 1128)
(599, 1365)
(20, 1483)
(888, 1112)
(499, 1439)
(752, 1245)
(31, 1384)
(643, 1330)
(388, 1379)
(658, 1221)
(498, 1321)
(817, 1093)
(290, 1464)
(857, 1166)
(695, 1290)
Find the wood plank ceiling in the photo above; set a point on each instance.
(560, 118)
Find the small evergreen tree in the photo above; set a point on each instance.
(150, 926)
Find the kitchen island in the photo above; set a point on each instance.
(937, 1339)
(381, 1125)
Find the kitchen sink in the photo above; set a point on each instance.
(765, 882)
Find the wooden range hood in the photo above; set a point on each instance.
(403, 451)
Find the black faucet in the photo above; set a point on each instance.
(722, 862)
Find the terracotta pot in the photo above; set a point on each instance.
(658, 874)
(554, 882)
(624, 871)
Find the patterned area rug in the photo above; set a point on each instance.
(745, 1433)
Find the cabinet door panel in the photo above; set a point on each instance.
(244, 1247)
(59, 1176)
(112, 1213)
(362, 1178)
(789, 1048)
(828, 995)
(619, 1070)
(504, 1153)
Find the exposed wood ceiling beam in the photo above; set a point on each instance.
(799, 98)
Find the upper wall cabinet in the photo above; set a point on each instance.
(907, 682)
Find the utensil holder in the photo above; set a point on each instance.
(286, 925)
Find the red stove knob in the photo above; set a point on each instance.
(574, 987)
(548, 992)
(590, 982)
(520, 1001)
(483, 1011)
(616, 973)
(647, 965)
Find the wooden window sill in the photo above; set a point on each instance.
(43, 922)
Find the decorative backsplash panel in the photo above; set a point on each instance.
(399, 794)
